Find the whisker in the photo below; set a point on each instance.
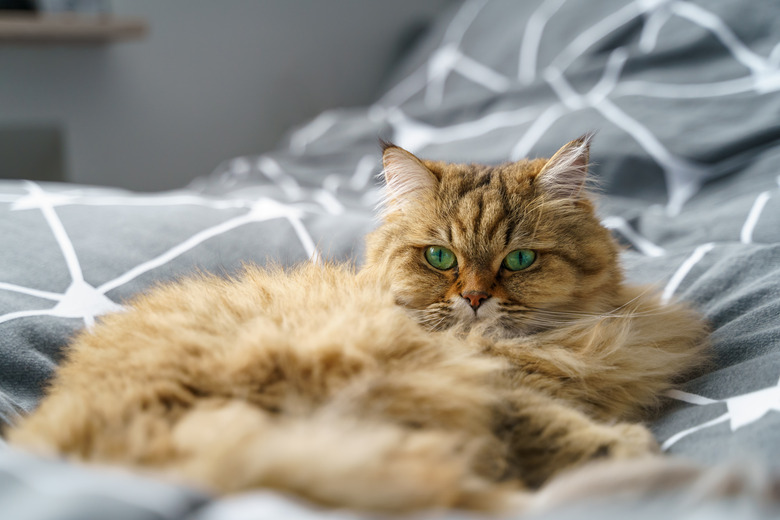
(433, 317)
(524, 315)
(609, 314)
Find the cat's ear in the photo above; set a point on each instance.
(564, 175)
(406, 178)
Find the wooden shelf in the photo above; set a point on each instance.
(41, 28)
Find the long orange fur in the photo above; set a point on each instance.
(386, 389)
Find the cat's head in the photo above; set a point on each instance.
(513, 249)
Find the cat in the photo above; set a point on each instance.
(488, 344)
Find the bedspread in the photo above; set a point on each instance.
(685, 99)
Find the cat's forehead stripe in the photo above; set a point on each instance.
(492, 215)
(486, 207)
(478, 206)
(479, 222)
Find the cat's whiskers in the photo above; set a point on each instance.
(524, 317)
(527, 320)
(636, 298)
(456, 314)
(432, 317)
(434, 322)
(620, 311)
(614, 313)
(549, 319)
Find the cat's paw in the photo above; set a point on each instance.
(626, 441)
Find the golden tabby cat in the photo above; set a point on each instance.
(488, 344)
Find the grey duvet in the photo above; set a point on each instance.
(685, 99)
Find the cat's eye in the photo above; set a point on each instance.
(440, 257)
(519, 260)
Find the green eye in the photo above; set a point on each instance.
(519, 260)
(440, 257)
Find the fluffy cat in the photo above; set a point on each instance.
(488, 344)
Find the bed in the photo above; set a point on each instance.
(685, 99)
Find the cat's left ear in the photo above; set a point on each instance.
(565, 173)
(406, 178)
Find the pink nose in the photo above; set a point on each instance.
(475, 298)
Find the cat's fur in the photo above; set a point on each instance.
(385, 389)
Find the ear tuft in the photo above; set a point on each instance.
(563, 177)
(385, 144)
(406, 178)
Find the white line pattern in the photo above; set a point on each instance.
(742, 410)
(684, 176)
(529, 49)
(85, 302)
(683, 270)
(746, 236)
(642, 244)
(66, 247)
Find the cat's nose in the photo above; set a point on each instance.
(475, 298)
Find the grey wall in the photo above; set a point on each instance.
(212, 80)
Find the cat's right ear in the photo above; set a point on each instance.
(564, 175)
(406, 178)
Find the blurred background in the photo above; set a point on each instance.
(149, 94)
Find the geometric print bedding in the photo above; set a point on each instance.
(721, 415)
(78, 253)
(685, 99)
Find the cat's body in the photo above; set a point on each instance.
(488, 344)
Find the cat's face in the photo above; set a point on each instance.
(511, 249)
